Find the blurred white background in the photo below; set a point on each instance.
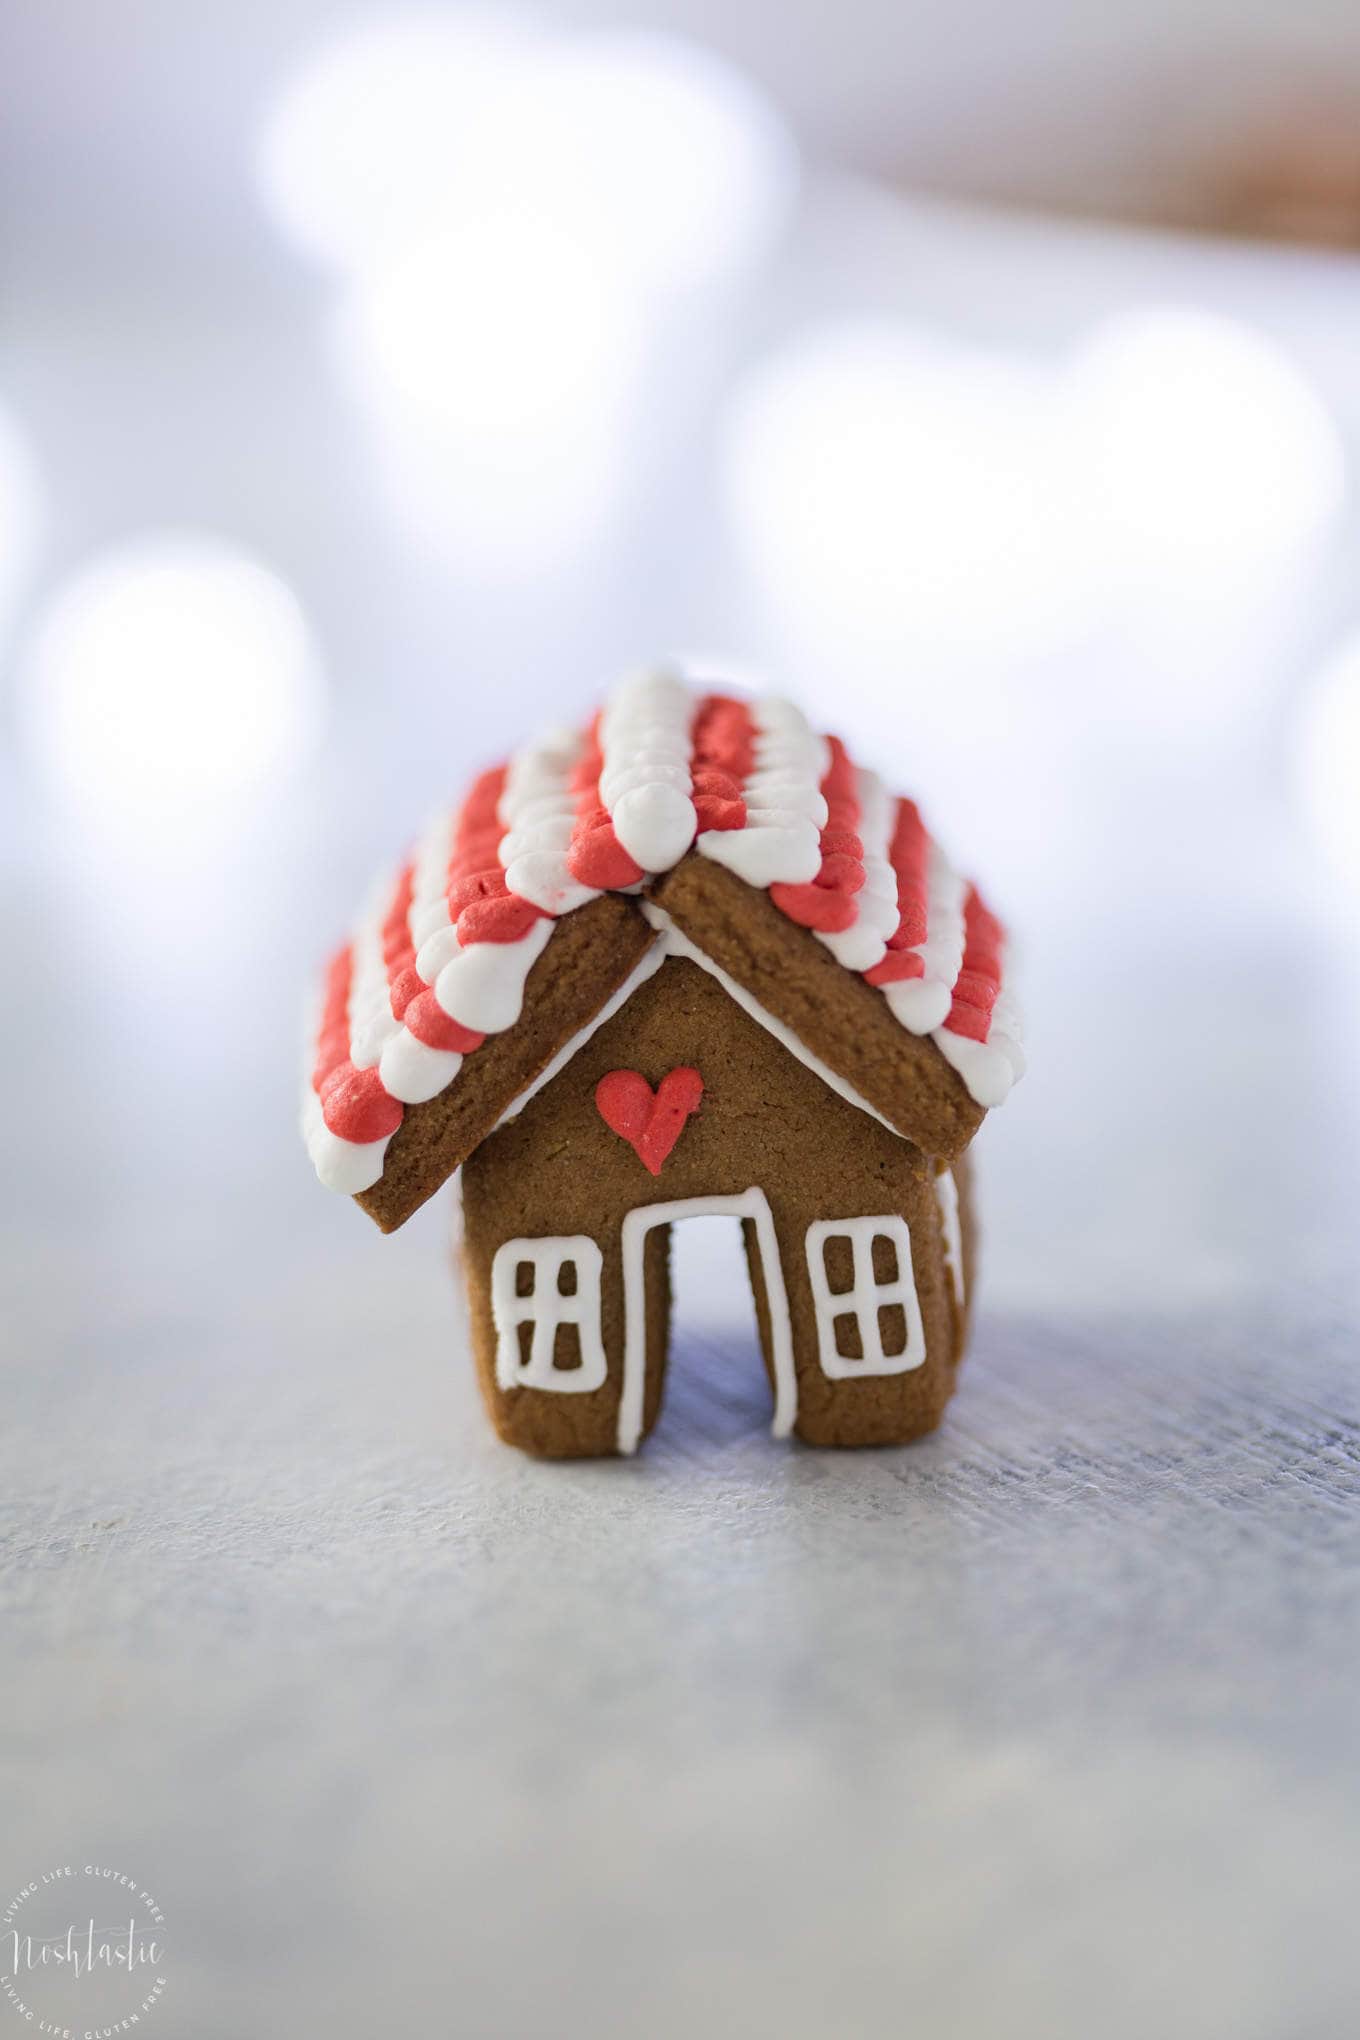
(377, 381)
(374, 382)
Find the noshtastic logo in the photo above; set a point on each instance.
(82, 1952)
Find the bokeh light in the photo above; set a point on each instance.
(168, 678)
(895, 491)
(519, 215)
(22, 516)
(367, 146)
(648, 149)
(1328, 762)
(496, 369)
(1204, 443)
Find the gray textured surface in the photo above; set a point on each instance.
(1046, 1726)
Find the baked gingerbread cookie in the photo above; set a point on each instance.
(691, 959)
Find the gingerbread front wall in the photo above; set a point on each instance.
(558, 1176)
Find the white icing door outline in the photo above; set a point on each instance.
(545, 1308)
(751, 1204)
(865, 1297)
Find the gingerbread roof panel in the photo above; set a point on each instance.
(442, 955)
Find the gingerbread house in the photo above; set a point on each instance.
(691, 959)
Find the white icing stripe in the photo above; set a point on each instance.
(752, 1204)
(865, 1298)
(645, 779)
(865, 942)
(922, 1004)
(344, 1165)
(429, 908)
(538, 809)
(371, 1020)
(947, 1197)
(785, 806)
(482, 986)
(412, 1071)
(648, 965)
(677, 944)
(989, 1068)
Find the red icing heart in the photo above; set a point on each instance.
(650, 1121)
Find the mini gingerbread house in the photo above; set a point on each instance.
(691, 959)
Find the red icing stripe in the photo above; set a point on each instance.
(596, 857)
(827, 902)
(481, 904)
(909, 855)
(332, 1034)
(354, 1104)
(979, 981)
(722, 758)
(412, 1000)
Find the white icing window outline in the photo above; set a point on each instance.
(546, 1308)
(865, 1297)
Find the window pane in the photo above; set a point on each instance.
(840, 1264)
(892, 1330)
(849, 1344)
(566, 1349)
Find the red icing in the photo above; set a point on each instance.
(897, 966)
(356, 1107)
(827, 902)
(481, 905)
(427, 1020)
(596, 857)
(354, 1104)
(650, 1121)
(979, 981)
(909, 855)
(721, 760)
(332, 1034)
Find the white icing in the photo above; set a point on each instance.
(989, 1068)
(413, 1072)
(482, 986)
(947, 1197)
(678, 944)
(546, 1308)
(371, 1021)
(645, 743)
(538, 809)
(429, 908)
(410, 1070)
(785, 807)
(646, 967)
(436, 950)
(865, 1298)
(865, 942)
(922, 1004)
(344, 1165)
(752, 1204)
